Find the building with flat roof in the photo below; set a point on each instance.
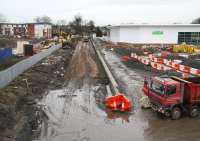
(29, 30)
(155, 34)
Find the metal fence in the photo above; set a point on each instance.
(6, 76)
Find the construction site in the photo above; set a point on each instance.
(78, 81)
(66, 95)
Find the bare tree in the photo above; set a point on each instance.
(76, 24)
(2, 18)
(196, 21)
(82, 27)
(91, 26)
(42, 19)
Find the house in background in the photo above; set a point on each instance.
(27, 30)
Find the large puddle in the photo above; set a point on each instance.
(78, 114)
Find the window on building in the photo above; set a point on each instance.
(189, 37)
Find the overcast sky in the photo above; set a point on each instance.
(103, 12)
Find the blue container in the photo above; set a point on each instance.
(5, 53)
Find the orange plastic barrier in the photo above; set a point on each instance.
(118, 102)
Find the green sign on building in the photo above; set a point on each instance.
(157, 33)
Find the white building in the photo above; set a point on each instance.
(42, 30)
(155, 34)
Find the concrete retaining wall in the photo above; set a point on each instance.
(113, 83)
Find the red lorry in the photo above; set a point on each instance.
(173, 96)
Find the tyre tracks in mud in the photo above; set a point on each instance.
(82, 64)
(72, 110)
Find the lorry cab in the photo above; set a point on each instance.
(172, 95)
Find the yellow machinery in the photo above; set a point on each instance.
(183, 48)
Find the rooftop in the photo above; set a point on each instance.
(10, 23)
(157, 25)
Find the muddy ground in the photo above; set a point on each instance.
(71, 112)
(193, 60)
(70, 106)
(18, 112)
(146, 125)
(76, 112)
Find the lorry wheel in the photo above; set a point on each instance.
(176, 113)
(194, 112)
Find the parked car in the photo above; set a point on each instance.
(85, 39)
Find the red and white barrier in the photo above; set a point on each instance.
(164, 64)
(160, 66)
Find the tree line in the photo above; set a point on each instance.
(78, 25)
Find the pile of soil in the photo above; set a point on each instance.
(18, 113)
(137, 50)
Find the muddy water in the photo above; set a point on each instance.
(77, 113)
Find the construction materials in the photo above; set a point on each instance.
(184, 48)
(172, 96)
